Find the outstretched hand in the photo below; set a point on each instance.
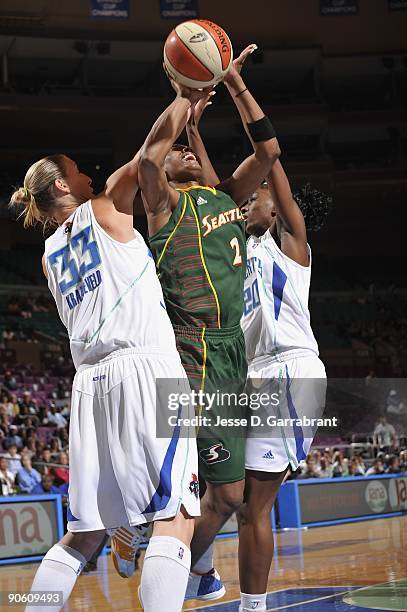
(237, 63)
(196, 111)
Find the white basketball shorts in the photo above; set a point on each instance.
(289, 444)
(120, 472)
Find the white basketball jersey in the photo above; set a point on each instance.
(276, 319)
(107, 292)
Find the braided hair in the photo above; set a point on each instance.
(314, 205)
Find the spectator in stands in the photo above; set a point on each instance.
(316, 455)
(354, 468)
(66, 411)
(7, 335)
(325, 468)
(5, 419)
(340, 465)
(309, 470)
(13, 438)
(394, 405)
(26, 419)
(10, 404)
(42, 415)
(29, 403)
(25, 308)
(62, 473)
(384, 436)
(64, 437)
(6, 478)
(13, 306)
(29, 448)
(41, 460)
(45, 486)
(10, 381)
(377, 468)
(61, 393)
(3, 430)
(403, 461)
(5, 405)
(393, 465)
(56, 447)
(15, 405)
(55, 417)
(27, 478)
(361, 468)
(14, 459)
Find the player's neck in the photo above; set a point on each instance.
(185, 184)
(62, 213)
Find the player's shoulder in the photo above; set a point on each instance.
(82, 213)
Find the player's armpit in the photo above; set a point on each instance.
(292, 247)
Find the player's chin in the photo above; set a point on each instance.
(195, 171)
(248, 227)
(194, 166)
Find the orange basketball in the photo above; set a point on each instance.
(198, 53)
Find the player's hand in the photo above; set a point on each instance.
(196, 110)
(180, 90)
(237, 63)
(193, 95)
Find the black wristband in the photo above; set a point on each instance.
(261, 130)
(240, 93)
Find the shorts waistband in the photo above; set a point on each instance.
(127, 352)
(184, 331)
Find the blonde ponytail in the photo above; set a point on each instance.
(31, 213)
(37, 196)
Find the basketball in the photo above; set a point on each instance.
(198, 53)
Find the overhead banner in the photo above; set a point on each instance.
(397, 5)
(339, 7)
(174, 9)
(118, 9)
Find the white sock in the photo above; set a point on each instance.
(205, 563)
(58, 571)
(253, 602)
(165, 574)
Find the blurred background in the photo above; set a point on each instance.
(85, 78)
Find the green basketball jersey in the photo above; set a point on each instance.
(201, 259)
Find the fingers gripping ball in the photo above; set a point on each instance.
(198, 53)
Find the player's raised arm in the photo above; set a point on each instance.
(248, 176)
(209, 176)
(113, 208)
(122, 186)
(158, 196)
(290, 220)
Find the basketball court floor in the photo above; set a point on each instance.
(342, 568)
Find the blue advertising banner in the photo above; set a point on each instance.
(397, 5)
(339, 7)
(176, 9)
(117, 9)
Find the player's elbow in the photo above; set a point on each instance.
(147, 161)
(148, 167)
(268, 151)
